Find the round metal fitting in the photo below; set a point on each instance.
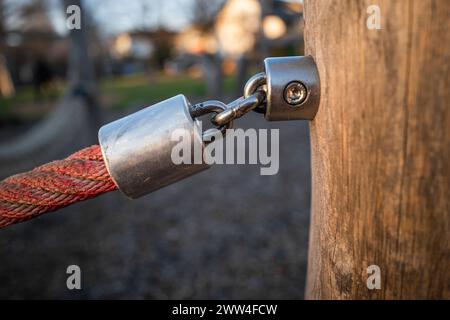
(291, 81)
(137, 149)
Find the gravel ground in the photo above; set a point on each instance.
(227, 233)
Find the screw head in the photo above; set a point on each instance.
(295, 93)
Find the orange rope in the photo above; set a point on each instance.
(54, 185)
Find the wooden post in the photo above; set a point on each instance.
(380, 149)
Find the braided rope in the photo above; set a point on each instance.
(54, 185)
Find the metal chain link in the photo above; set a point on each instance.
(254, 98)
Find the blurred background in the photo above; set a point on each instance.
(226, 233)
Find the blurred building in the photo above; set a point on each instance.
(31, 37)
(139, 50)
(239, 35)
(249, 28)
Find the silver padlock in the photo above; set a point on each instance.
(137, 149)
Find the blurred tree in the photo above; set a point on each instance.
(33, 15)
(204, 13)
(2, 20)
(6, 84)
(81, 73)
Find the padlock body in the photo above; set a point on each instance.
(137, 149)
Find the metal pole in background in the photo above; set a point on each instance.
(81, 68)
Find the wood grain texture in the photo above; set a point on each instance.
(380, 149)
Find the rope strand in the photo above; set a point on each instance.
(54, 185)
